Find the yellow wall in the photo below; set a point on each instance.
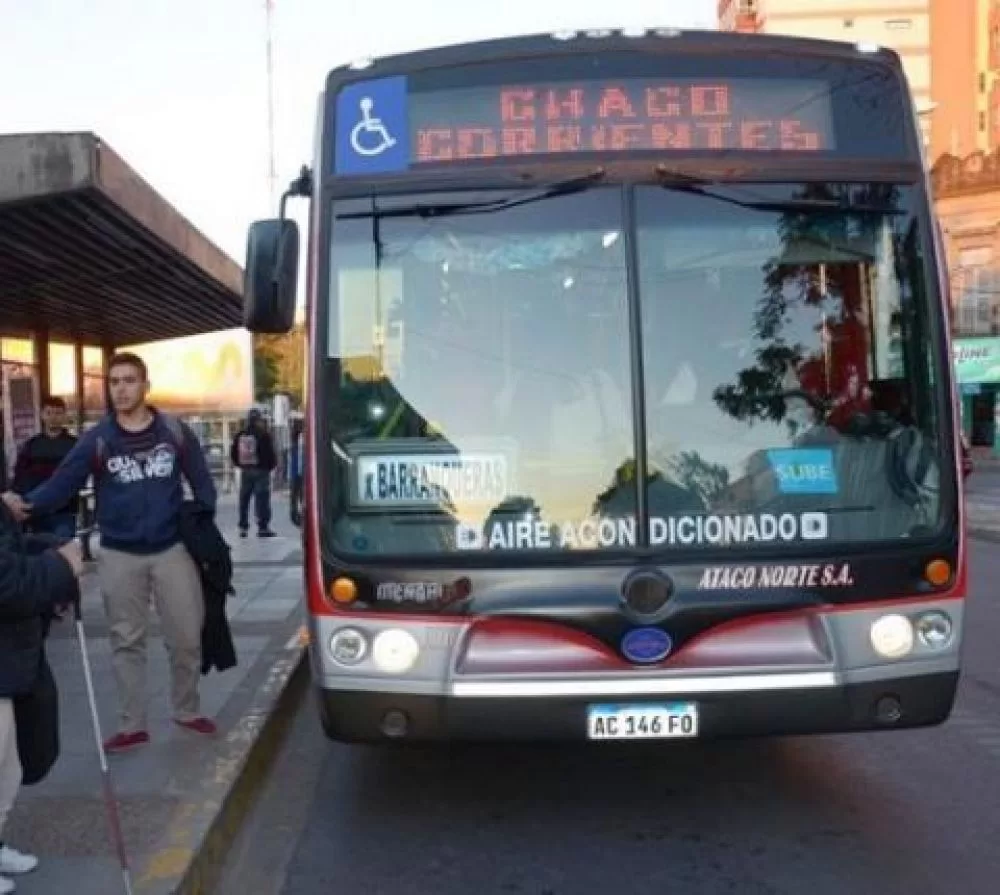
(211, 373)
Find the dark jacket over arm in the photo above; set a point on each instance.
(211, 554)
(29, 587)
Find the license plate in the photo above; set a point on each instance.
(642, 721)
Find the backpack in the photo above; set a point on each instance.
(247, 449)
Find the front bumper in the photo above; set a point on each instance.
(360, 716)
(495, 678)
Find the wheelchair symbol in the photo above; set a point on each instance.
(380, 138)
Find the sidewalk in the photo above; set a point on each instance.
(171, 792)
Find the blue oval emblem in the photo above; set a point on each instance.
(646, 645)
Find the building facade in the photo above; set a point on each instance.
(965, 61)
(967, 192)
(950, 51)
(902, 25)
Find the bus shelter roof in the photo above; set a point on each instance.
(90, 252)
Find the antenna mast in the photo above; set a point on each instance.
(272, 166)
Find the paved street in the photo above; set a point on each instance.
(983, 500)
(913, 813)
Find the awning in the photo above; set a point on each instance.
(90, 252)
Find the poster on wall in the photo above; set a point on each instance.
(20, 411)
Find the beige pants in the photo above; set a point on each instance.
(171, 578)
(10, 762)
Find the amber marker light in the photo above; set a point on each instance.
(343, 590)
(938, 572)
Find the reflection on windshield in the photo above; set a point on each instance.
(498, 341)
(480, 373)
(787, 362)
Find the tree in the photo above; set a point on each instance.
(762, 392)
(692, 471)
(279, 364)
(617, 501)
(265, 375)
(513, 509)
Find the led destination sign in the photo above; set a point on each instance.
(622, 116)
(383, 127)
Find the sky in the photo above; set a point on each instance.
(179, 90)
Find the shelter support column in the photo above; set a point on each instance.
(41, 354)
(78, 379)
(107, 352)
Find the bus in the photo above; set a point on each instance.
(630, 403)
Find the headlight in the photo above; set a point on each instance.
(395, 651)
(348, 646)
(892, 636)
(934, 629)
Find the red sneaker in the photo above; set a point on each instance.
(121, 742)
(198, 725)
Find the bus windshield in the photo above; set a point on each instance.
(480, 370)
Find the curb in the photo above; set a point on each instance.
(195, 844)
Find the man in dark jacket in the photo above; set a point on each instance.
(31, 586)
(39, 458)
(253, 454)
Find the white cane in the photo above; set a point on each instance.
(109, 795)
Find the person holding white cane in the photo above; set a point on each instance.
(32, 587)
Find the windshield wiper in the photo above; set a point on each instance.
(445, 209)
(680, 181)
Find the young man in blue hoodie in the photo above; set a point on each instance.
(138, 457)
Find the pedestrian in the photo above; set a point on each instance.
(253, 453)
(38, 459)
(32, 586)
(138, 456)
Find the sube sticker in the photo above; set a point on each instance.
(804, 470)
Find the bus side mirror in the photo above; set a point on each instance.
(270, 279)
